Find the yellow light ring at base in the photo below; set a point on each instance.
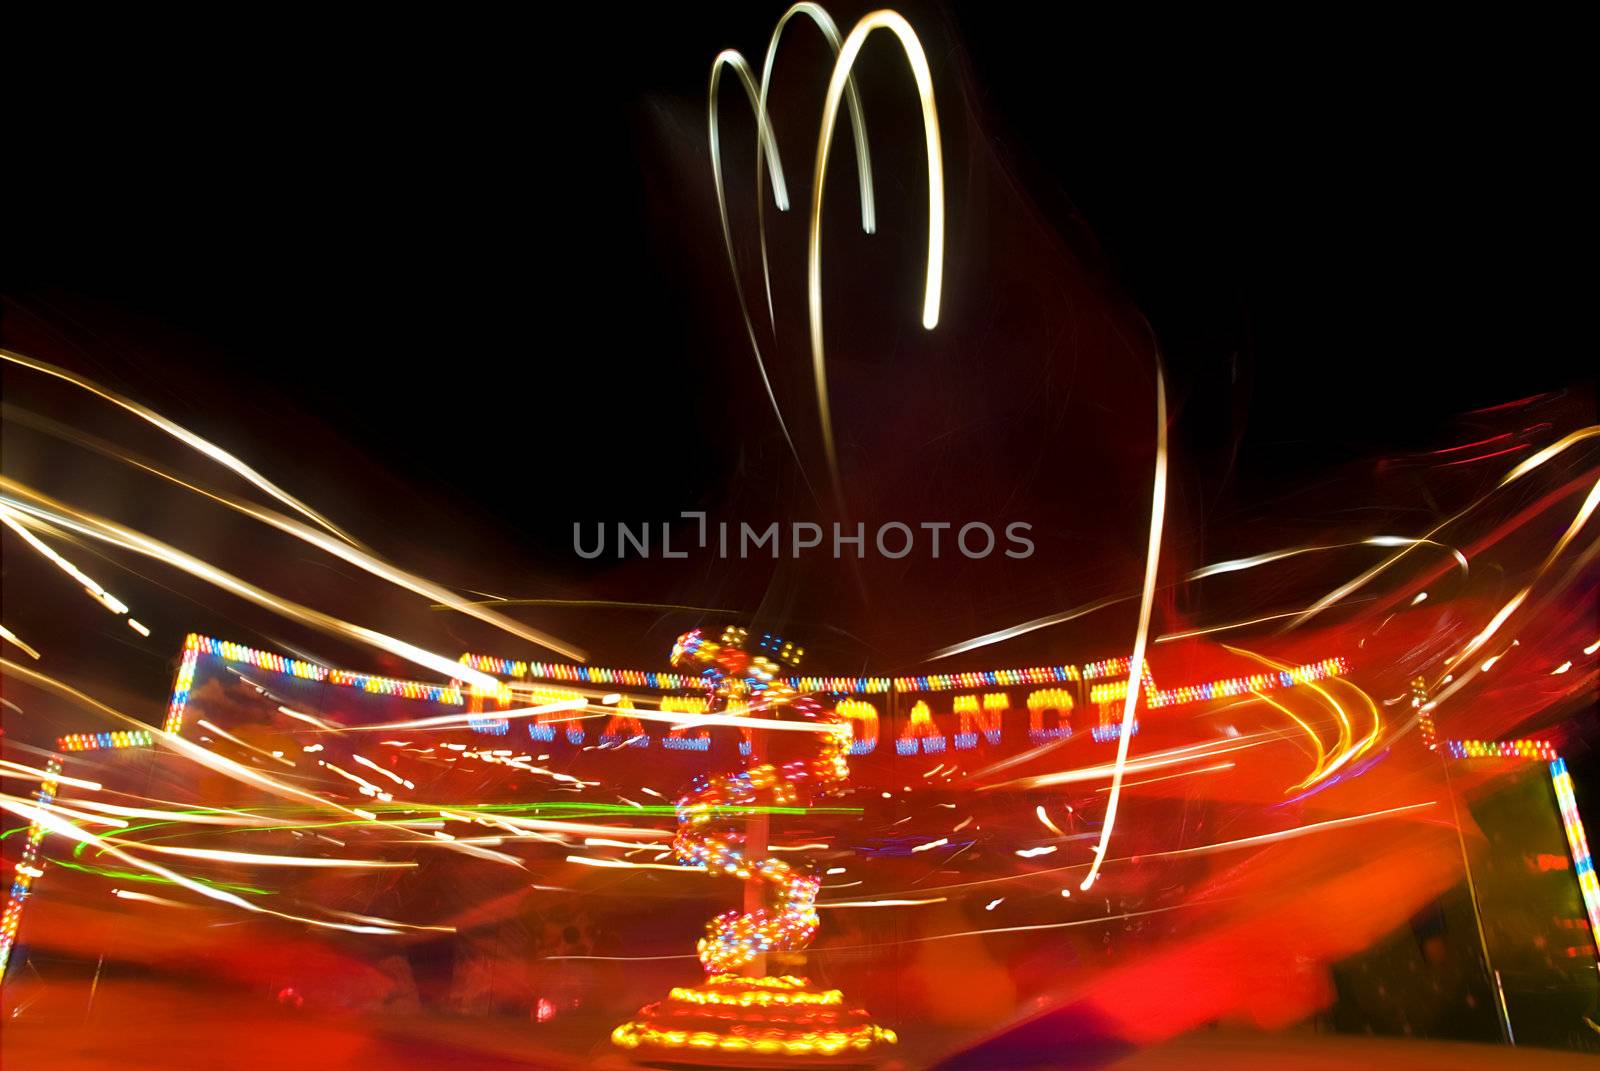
(731, 1016)
(637, 1035)
(737, 990)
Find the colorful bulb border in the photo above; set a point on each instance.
(27, 868)
(1578, 844)
(116, 740)
(1533, 750)
(195, 645)
(939, 682)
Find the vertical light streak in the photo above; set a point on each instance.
(767, 153)
(896, 24)
(1158, 511)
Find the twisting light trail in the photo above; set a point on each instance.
(766, 147)
(1347, 747)
(1320, 760)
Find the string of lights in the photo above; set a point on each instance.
(27, 868)
(195, 645)
(120, 738)
(1582, 861)
(1541, 750)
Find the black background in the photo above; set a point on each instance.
(461, 284)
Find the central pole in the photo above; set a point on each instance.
(756, 829)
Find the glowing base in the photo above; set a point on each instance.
(730, 1020)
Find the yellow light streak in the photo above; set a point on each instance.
(183, 435)
(61, 827)
(1521, 469)
(12, 638)
(1590, 502)
(92, 586)
(27, 506)
(1158, 508)
(202, 723)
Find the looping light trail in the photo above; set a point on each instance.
(767, 153)
(848, 52)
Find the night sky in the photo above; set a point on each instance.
(463, 287)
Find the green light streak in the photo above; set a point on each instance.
(155, 879)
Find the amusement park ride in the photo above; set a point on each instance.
(743, 736)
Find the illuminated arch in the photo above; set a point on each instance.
(919, 727)
(1056, 699)
(975, 718)
(680, 739)
(622, 729)
(862, 717)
